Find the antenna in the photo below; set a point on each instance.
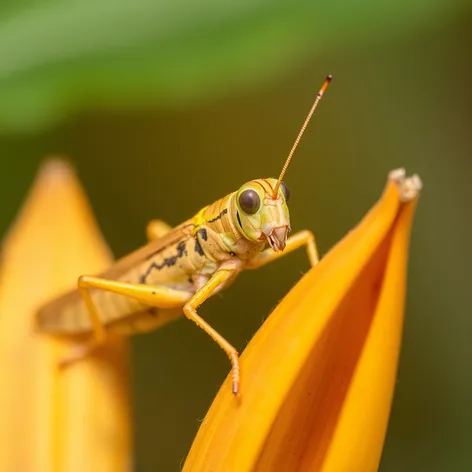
(305, 124)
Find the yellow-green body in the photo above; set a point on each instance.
(183, 259)
(182, 267)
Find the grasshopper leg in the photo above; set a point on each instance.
(161, 297)
(158, 296)
(99, 333)
(156, 229)
(303, 238)
(217, 281)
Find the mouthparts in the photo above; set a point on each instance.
(277, 238)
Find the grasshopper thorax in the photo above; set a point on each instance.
(261, 215)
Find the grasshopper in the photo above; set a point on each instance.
(181, 267)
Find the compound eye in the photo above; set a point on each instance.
(285, 191)
(249, 201)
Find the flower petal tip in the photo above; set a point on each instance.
(56, 167)
(408, 187)
(321, 371)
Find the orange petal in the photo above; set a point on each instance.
(77, 419)
(318, 377)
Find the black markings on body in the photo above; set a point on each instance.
(239, 219)
(202, 232)
(216, 218)
(198, 247)
(167, 262)
(171, 243)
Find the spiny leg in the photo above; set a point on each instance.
(218, 280)
(303, 238)
(156, 229)
(157, 296)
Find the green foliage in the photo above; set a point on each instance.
(57, 57)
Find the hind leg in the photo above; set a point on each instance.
(154, 296)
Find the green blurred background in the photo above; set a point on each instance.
(166, 106)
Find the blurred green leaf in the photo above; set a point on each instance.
(57, 57)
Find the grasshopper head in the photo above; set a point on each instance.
(261, 205)
(263, 215)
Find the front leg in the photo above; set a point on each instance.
(303, 238)
(216, 282)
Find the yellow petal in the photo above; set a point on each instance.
(318, 377)
(50, 420)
